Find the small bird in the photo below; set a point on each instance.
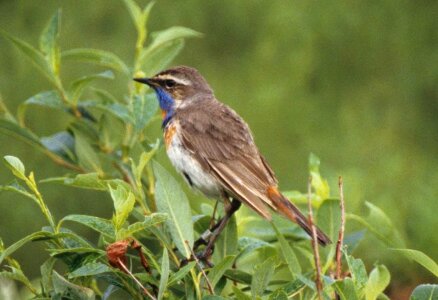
(213, 148)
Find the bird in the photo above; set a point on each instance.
(214, 150)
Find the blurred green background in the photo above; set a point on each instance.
(353, 81)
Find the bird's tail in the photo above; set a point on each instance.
(290, 211)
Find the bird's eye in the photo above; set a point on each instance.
(169, 83)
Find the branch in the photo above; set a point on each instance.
(145, 291)
(210, 287)
(340, 242)
(314, 241)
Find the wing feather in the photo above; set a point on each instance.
(223, 143)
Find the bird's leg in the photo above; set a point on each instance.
(203, 239)
(213, 215)
(230, 209)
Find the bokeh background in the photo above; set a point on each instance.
(355, 82)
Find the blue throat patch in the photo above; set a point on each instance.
(167, 104)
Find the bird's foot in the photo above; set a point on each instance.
(203, 257)
(203, 240)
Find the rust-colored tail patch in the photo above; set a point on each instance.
(290, 211)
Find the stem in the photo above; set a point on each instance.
(151, 187)
(209, 286)
(30, 182)
(63, 163)
(314, 241)
(340, 242)
(64, 98)
(126, 145)
(145, 291)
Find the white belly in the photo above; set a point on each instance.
(191, 169)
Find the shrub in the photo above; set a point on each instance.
(153, 228)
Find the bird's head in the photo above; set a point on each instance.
(181, 84)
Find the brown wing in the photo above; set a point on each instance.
(222, 142)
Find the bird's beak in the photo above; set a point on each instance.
(149, 81)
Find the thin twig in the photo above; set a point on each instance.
(210, 287)
(318, 281)
(59, 161)
(145, 291)
(340, 242)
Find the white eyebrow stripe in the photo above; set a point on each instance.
(176, 79)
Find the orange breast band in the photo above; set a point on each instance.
(168, 135)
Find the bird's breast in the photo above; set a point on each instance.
(187, 164)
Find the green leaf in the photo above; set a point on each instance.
(117, 110)
(62, 144)
(379, 224)
(135, 12)
(319, 184)
(213, 297)
(98, 57)
(140, 19)
(4, 111)
(144, 108)
(46, 273)
(163, 38)
(78, 86)
(17, 188)
(32, 54)
(104, 95)
(49, 42)
(17, 275)
(90, 269)
(109, 135)
(425, 292)
(262, 275)
(124, 201)
(239, 295)
(89, 181)
(75, 250)
(164, 274)
(70, 290)
(345, 289)
(87, 157)
(50, 99)
(288, 254)
(227, 241)
(248, 245)
(329, 220)
(421, 259)
(238, 276)
(357, 270)
(13, 129)
(16, 166)
(149, 221)
(17, 245)
(218, 271)
(182, 272)
(293, 286)
(377, 282)
(98, 224)
(171, 199)
(161, 57)
(145, 157)
(278, 295)
(70, 239)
